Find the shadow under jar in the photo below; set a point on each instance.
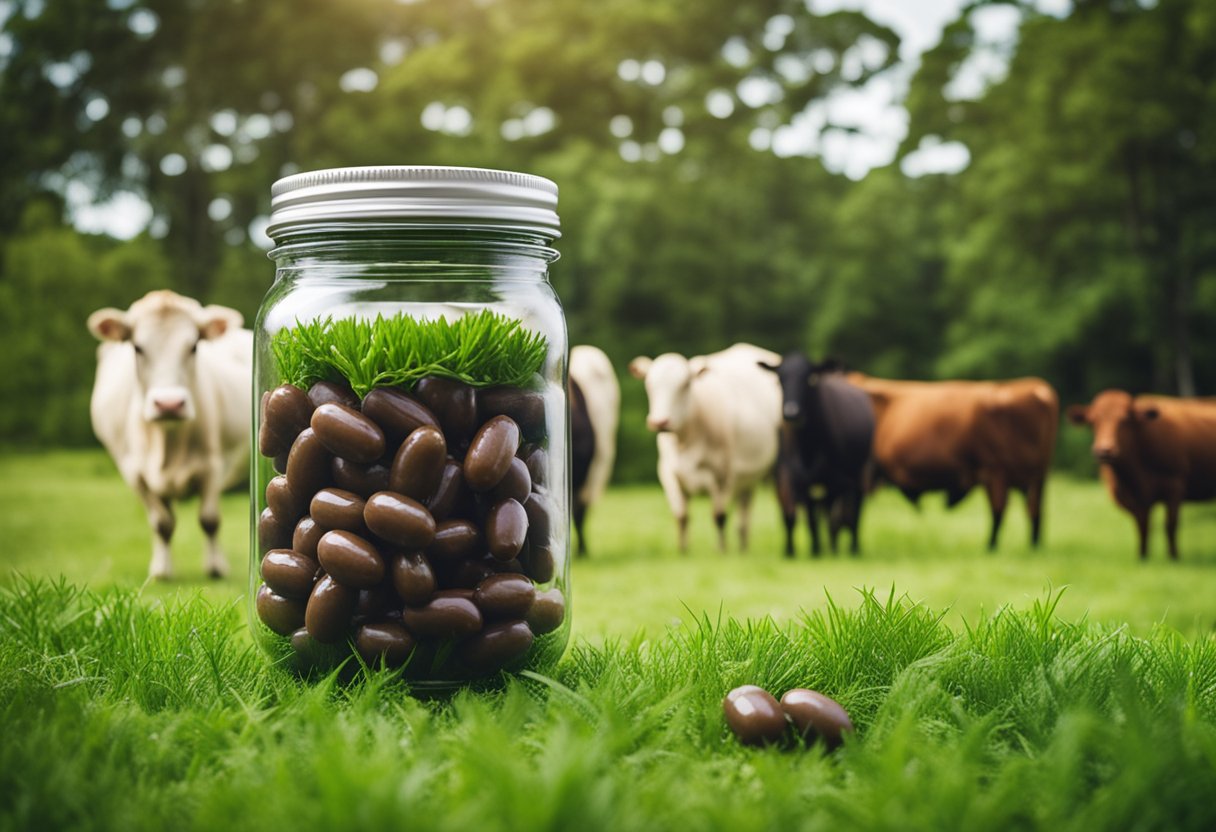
(410, 479)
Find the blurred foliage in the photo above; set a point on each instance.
(1078, 244)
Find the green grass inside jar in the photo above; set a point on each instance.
(410, 518)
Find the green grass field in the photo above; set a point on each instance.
(1068, 688)
(68, 514)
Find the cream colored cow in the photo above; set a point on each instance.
(717, 417)
(171, 403)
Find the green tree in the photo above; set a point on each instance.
(1089, 199)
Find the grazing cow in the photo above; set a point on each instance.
(717, 418)
(171, 403)
(953, 435)
(1153, 449)
(595, 407)
(825, 441)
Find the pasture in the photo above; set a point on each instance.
(145, 706)
(67, 514)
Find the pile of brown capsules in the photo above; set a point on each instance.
(757, 718)
(417, 526)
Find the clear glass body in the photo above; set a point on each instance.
(384, 529)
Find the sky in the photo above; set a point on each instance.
(874, 111)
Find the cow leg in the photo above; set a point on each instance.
(718, 496)
(1141, 516)
(745, 515)
(162, 521)
(580, 512)
(789, 506)
(1172, 507)
(1034, 508)
(215, 563)
(677, 501)
(998, 498)
(836, 511)
(812, 524)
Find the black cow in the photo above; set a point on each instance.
(582, 451)
(826, 440)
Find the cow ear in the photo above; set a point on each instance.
(214, 321)
(1147, 412)
(698, 364)
(109, 324)
(640, 366)
(764, 365)
(1078, 414)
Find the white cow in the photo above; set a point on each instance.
(171, 403)
(595, 409)
(717, 417)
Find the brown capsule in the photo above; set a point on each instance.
(396, 413)
(288, 573)
(442, 618)
(378, 602)
(536, 459)
(413, 578)
(541, 565)
(285, 412)
(280, 462)
(506, 528)
(456, 539)
(387, 640)
(468, 574)
(525, 407)
(306, 536)
(454, 592)
(540, 516)
(418, 467)
(273, 533)
(454, 404)
(490, 453)
(350, 560)
(817, 717)
(328, 392)
(754, 715)
(547, 612)
(516, 484)
(306, 647)
(282, 615)
(308, 464)
(335, 508)
(399, 520)
(282, 499)
(348, 433)
(504, 596)
(451, 492)
(329, 612)
(496, 646)
(364, 480)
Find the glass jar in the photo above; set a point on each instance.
(410, 482)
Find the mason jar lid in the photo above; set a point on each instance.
(398, 192)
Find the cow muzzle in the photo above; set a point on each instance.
(791, 411)
(1105, 453)
(168, 404)
(658, 425)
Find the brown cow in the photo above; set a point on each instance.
(1153, 449)
(953, 435)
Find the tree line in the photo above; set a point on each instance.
(1078, 244)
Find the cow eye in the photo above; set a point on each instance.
(138, 349)
(194, 348)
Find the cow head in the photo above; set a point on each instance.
(163, 330)
(668, 380)
(797, 375)
(1113, 415)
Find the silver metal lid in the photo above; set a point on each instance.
(390, 193)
